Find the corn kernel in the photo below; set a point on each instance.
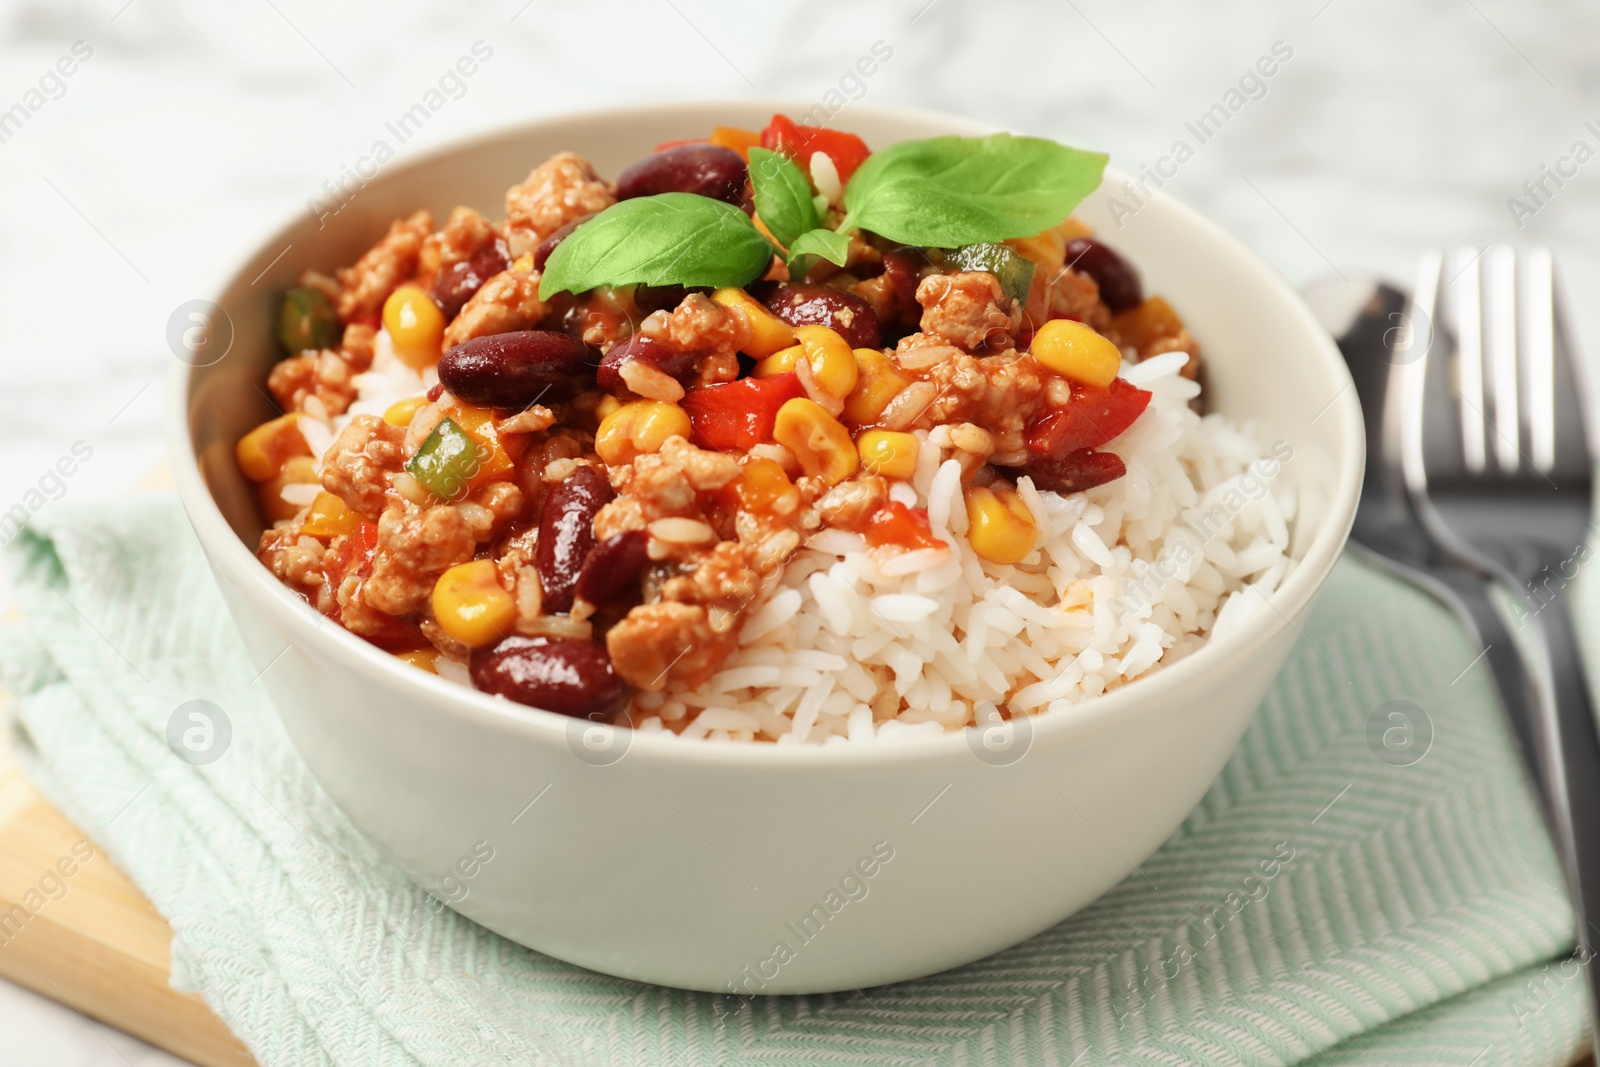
(422, 658)
(471, 605)
(637, 428)
(832, 363)
(877, 383)
(762, 485)
(401, 411)
(889, 453)
(415, 325)
(329, 517)
(768, 333)
(262, 452)
(523, 263)
(1075, 351)
(1000, 526)
(296, 470)
(819, 441)
(780, 362)
(607, 405)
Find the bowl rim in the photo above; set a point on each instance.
(291, 615)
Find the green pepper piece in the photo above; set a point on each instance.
(1014, 270)
(308, 321)
(447, 461)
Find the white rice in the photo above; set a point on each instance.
(859, 644)
(851, 643)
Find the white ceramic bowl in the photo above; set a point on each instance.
(690, 864)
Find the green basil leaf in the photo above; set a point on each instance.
(830, 245)
(783, 195)
(667, 239)
(952, 191)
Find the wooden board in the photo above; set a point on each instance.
(75, 929)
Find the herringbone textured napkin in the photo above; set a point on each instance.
(1335, 898)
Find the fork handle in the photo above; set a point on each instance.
(1575, 774)
(1468, 593)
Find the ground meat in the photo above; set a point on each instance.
(357, 344)
(996, 393)
(464, 234)
(710, 332)
(489, 510)
(560, 443)
(852, 502)
(415, 546)
(508, 301)
(1071, 295)
(705, 585)
(363, 464)
(662, 485)
(355, 615)
(668, 639)
(562, 188)
(449, 646)
(383, 268)
(328, 375)
(968, 309)
(724, 577)
(293, 557)
(292, 380)
(322, 376)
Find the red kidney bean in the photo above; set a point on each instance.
(815, 305)
(659, 354)
(610, 576)
(566, 534)
(566, 675)
(454, 285)
(1075, 471)
(435, 391)
(706, 169)
(650, 298)
(903, 268)
(1118, 281)
(542, 254)
(513, 370)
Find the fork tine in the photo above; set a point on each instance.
(1500, 337)
(1465, 302)
(1536, 313)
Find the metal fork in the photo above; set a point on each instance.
(1498, 464)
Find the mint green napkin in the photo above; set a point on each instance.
(1322, 904)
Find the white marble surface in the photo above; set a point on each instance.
(193, 128)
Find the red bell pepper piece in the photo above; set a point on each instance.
(896, 524)
(1075, 471)
(1093, 417)
(788, 138)
(735, 416)
(356, 550)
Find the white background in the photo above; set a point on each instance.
(196, 128)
